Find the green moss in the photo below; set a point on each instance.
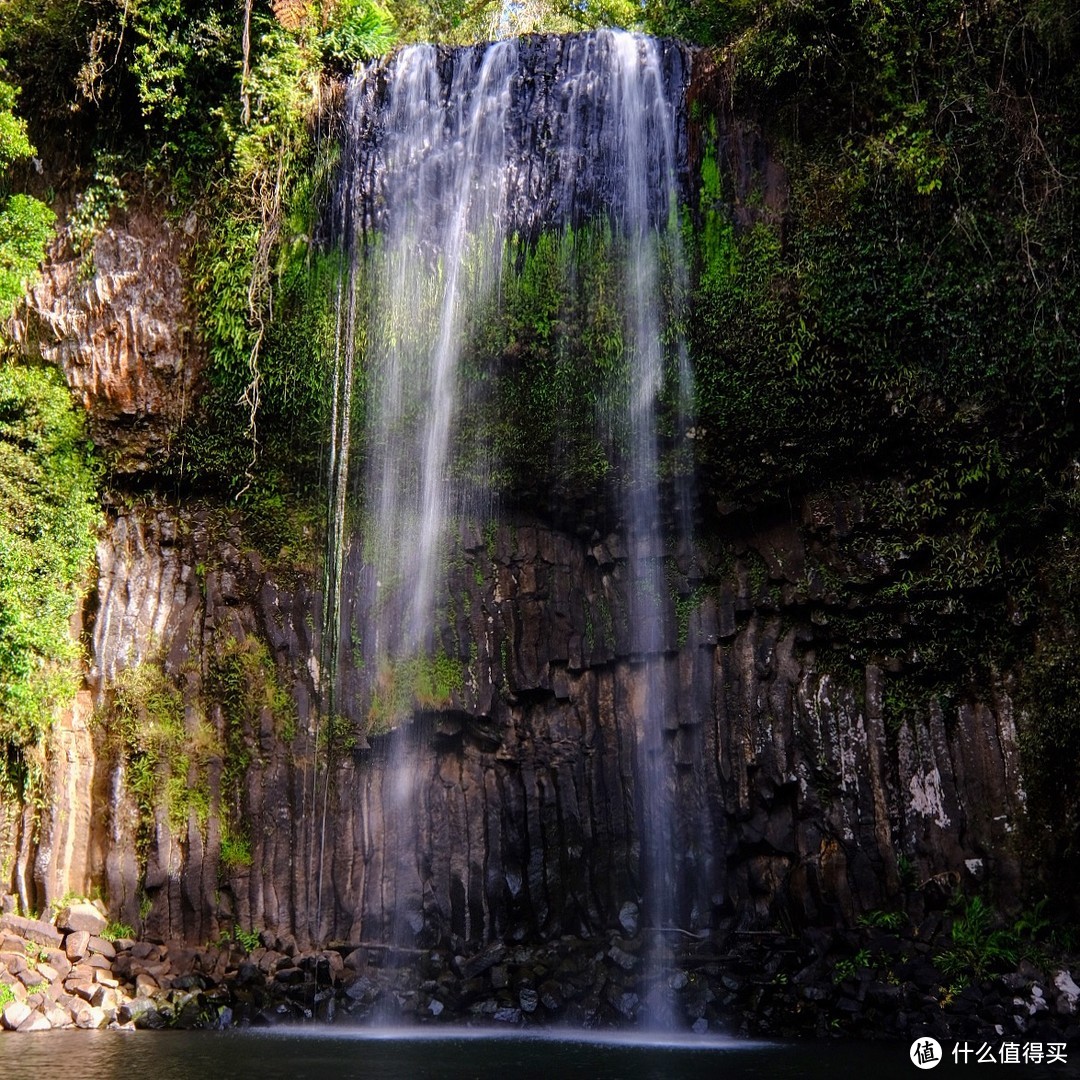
(235, 850)
(491, 539)
(242, 678)
(546, 362)
(424, 682)
(685, 606)
(1049, 717)
(341, 736)
(117, 930)
(607, 620)
(287, 528)
(164, 751)
(906, 699)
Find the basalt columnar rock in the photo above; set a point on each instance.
(798, 802)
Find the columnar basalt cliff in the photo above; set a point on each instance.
(797, 804)
(801, 798)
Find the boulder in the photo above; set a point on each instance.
(15, 1013)
(81, 917)
(1068, 996)
(58, 1016)
(34, 1022)
(14, 962)
(92, 1017)
(82, 989)
(477, 965)
(362, 989)
(41, 933)
(621, 957)
(30, 978)
(102, 947)
(108, 1002)
(47, 972)
(551, 996)
(134, 1010)
(58, 961)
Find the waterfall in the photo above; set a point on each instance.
(454, 161)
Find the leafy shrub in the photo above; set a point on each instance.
(235, 851)
(978, 947)
(92, 208)
(883, 920)
(358, 30)
(25, 227)
(419, 682)
(148, 728)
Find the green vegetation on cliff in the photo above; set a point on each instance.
(48, 520)
(896, 319)
(47, 497)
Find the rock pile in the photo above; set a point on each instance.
(865, 983)
(66, 974)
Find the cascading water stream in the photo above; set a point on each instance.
(451, 160)
(645, 124)
(444, 159)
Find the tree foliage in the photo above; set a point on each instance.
(25, 222)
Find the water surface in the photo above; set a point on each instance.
(315, 1053)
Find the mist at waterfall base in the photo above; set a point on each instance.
(396, 1055)
(454, 162)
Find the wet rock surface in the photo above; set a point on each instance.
(800, 802)
(561, 160)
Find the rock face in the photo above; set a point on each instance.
(117, 323)
(797, 800)
(758, 984)
(562, 160)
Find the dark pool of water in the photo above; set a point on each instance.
(340, 1054)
